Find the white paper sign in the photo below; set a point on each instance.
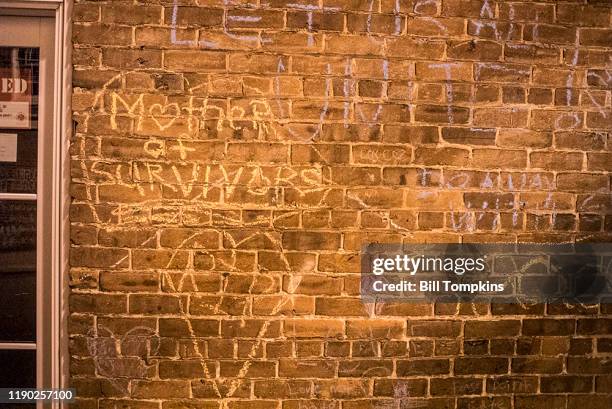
(15, 97)
(15, 114)
(8, 147)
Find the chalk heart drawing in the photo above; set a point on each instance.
(160, 114)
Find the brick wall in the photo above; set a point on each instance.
(231, 157)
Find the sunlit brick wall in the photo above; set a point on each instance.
(231, 157)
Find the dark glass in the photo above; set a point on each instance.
(18, 307)
(20, 176)
(18, 219)
(18, 369)
(17, 271)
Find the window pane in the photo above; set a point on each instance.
(18, 119)
(19, 176)
(18, 307)
(18, 369)
(17, 271)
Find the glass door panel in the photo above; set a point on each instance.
(18, 271)
(25, 63)
(19, 67)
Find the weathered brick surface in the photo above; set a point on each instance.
(231, 157)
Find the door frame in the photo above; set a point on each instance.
(57, 375)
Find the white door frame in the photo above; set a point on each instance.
(57, 375)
